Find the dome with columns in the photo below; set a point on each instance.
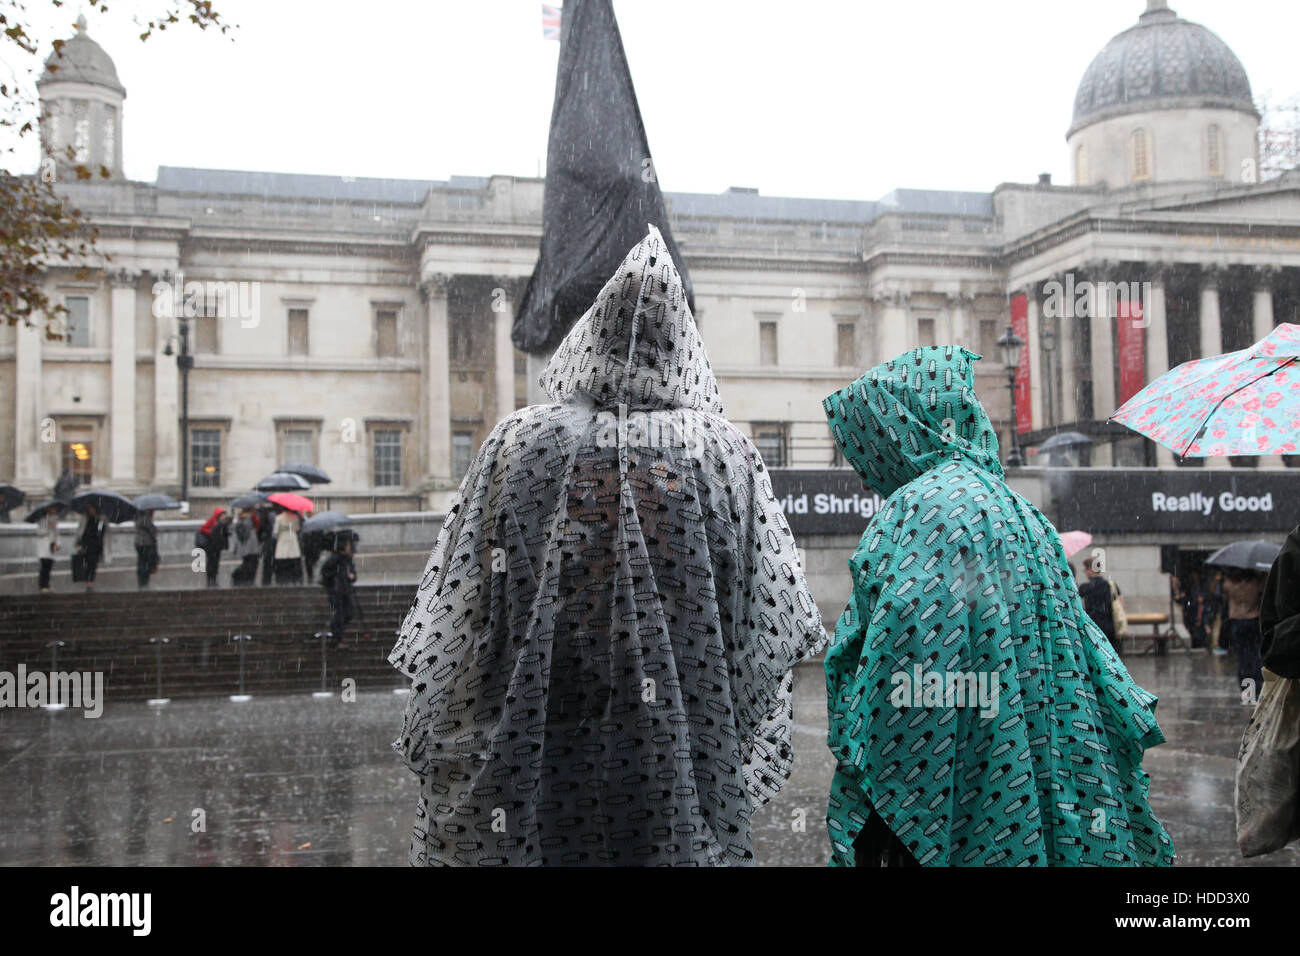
(1162, 61)
(82, 60)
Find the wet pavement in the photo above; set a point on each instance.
(301, 781)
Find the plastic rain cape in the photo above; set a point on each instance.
(601, 646)
(972, 702)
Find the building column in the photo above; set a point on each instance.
(1262, 322)
(1067, 346)
(1211, 325)
(30, 433)
(166, 386)
(503, 319)
(1101, 351)
(437, 407)
(1034, 345)
(1157, 347)
(121, 425)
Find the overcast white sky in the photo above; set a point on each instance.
(823, 98)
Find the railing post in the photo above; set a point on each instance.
(241, 640)
(54, 669)
(158, 700)
(324, 661)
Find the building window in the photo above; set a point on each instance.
(521, 362)
(1141, 155)
(298, 332)
(205, 457)
(770, 440)
(925, 333)
(1081, 166)
(110, 138)
(989, 340)
(386, 333)
(462, 453)
(767, 354)
(846, 344)
(77, 320)
(1214, 150)
(81, 131)
(387, 445)
(298, 446)
(205, 334)
(462, 339)
(78, 456)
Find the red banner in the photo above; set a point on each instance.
(1132, 350)
(1020, 326)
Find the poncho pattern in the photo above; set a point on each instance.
(602, 645)
(957, 580)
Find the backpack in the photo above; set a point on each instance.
(200, 539)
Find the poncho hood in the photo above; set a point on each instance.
(907, 415)
(637, 345)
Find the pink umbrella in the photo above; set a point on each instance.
(1242, 403)
(1074, 542)
(287, 499)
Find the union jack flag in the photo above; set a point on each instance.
(550, 22)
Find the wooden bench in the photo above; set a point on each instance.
(1159, 639)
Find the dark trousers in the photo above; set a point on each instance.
(212, 565)
(92, 562)
(876, 845)
(268, 565)
(246, 573)
(47, 565)
(343, 612)
(146, 559)
(288, 571)
(1245, 639)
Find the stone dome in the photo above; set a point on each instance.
(1164, 62)
(82, 61)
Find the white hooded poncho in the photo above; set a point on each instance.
(602, 645)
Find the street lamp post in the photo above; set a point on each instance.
(184, 362)
(1011, 344)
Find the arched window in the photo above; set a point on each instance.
(1141, 155)
(1214, 150)
(1081, 166)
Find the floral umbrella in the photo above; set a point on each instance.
(1241, 403)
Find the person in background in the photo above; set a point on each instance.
(47, 543)
(337, 576)
(1191, 598)
(1216, 612)
(1244, 590)
(214, 538)
(288, 554)
(1099, 595)
(247, 548)
(146, 548)
(311, 543)
(266, 539)
(90, 542)
(1279, 611)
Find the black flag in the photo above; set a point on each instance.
(601, 188)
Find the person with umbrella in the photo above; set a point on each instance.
(1279, 612)
(214, 537)
(1245, 566)
(146, 549)
(288, 551)
(47, 539)
(248, 548)
(1103, 601)
(337, 576)
(91, 540)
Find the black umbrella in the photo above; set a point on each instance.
(282, 481)
(1063, 440)
(10, 497)
(112, 507)
(65, 487)
(312, 473)
(251, 500)
(156, 501)
(1245, 555)
(43, 507)
(326, 522)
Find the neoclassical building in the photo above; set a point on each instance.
(363, 324)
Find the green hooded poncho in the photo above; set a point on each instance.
(973, 704)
